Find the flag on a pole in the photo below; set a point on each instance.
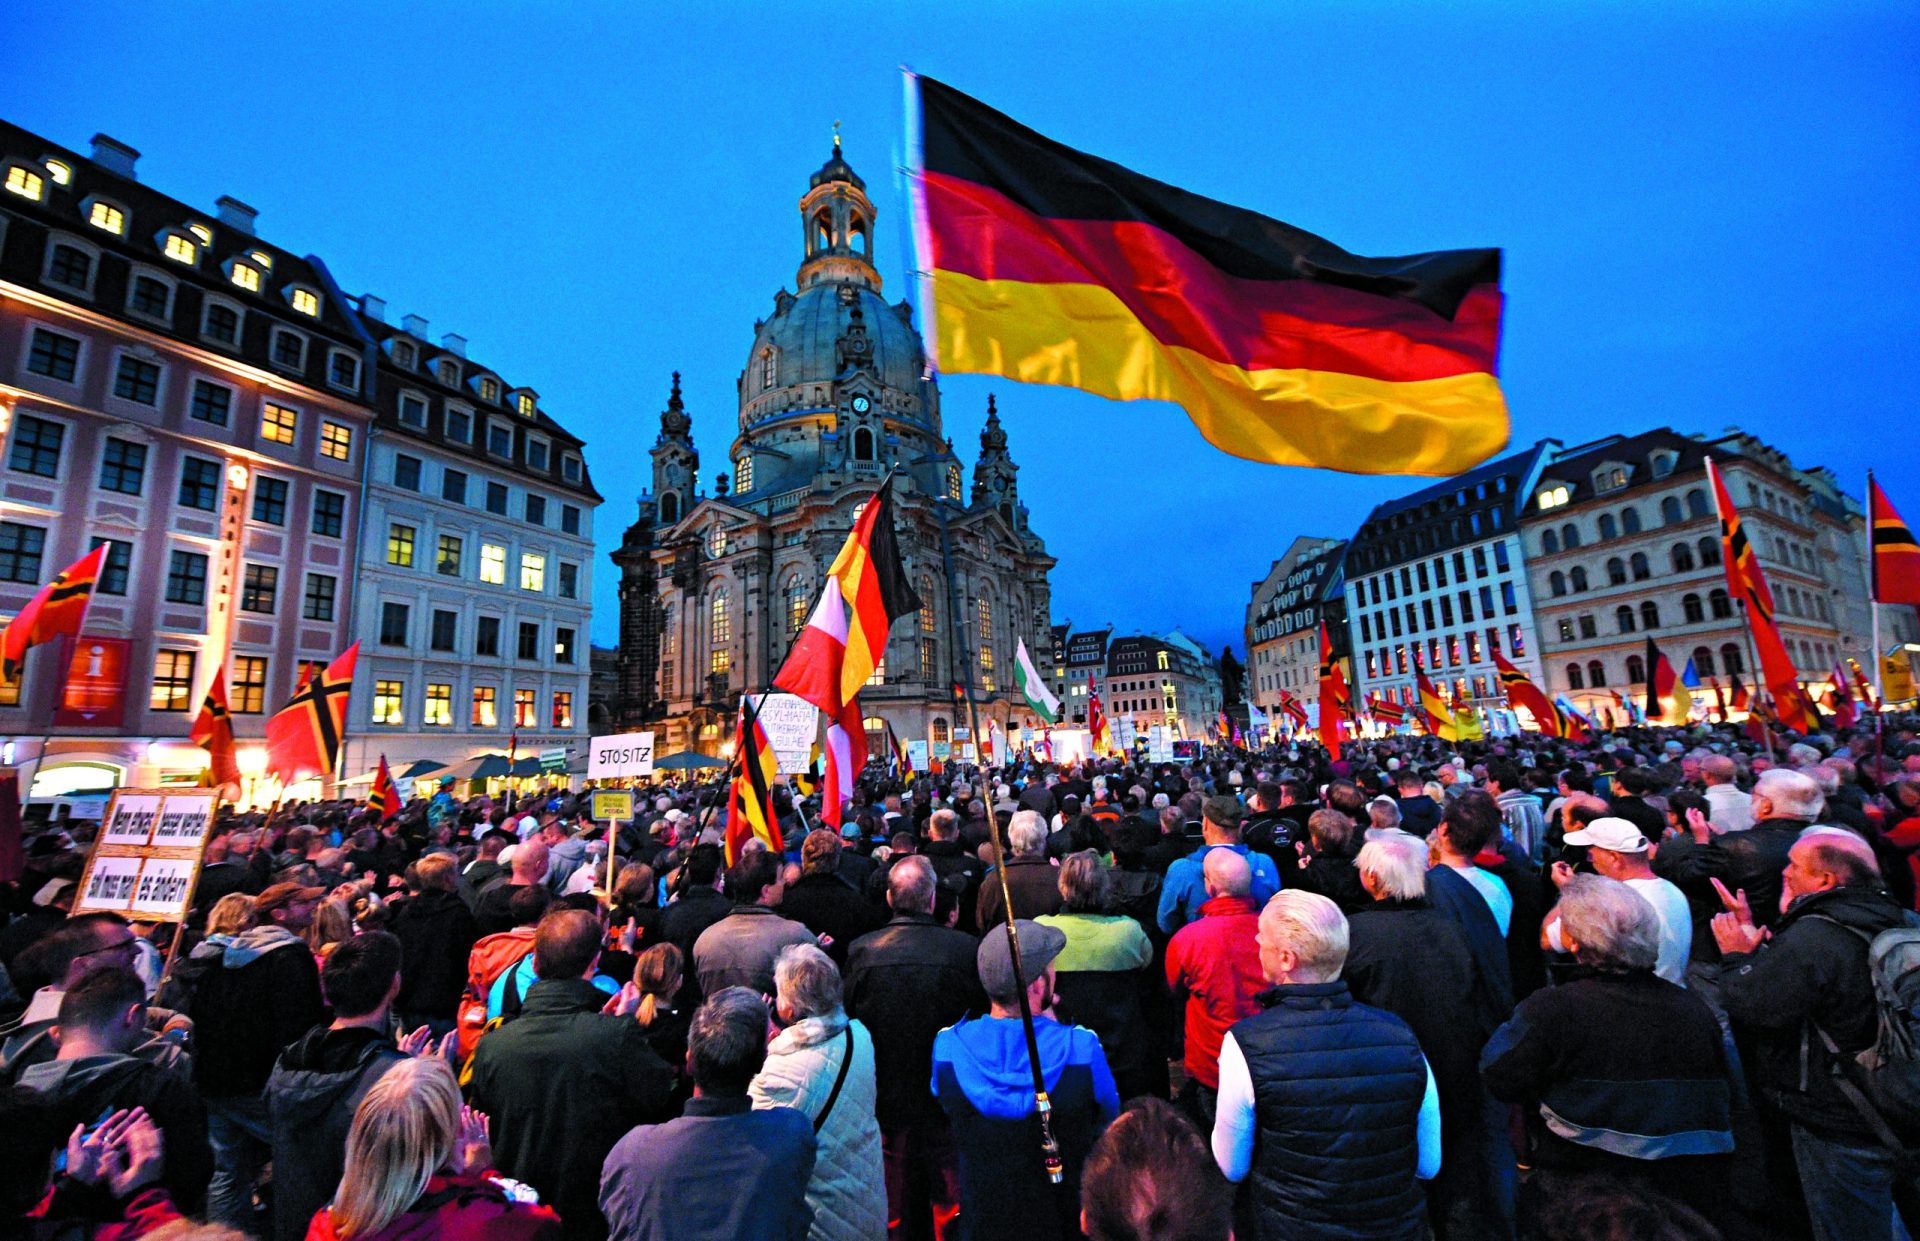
(874, 583)
(1669, 698)
(1048, 265)
(1332, 696)
(1896, 557)
(1435, 713)
(1746, 582)
(1293, 709)
(807, 781)
(813, 667)
(1742, 700)
(58, 609)
(1033, 687)
(384, 798)
(212, 731)
(1387, 710)
(897, 754)
(303, 738)
(750, 797)
(1097, 725)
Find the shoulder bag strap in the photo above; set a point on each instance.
(846, 1062)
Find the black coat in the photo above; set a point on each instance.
(1749, 861)
(248, 1010)
(906, 982)
(1036, 890)
(311, 1098)
(828, 905)
(436, 932)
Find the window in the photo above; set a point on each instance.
(742, 472)
(493, 564)
(211, 402)
(862, 444)
(719, 661)
(1569, 536)
(719, 623)
(180, 249)
(453, 486)
(536, 510)
(1636, 670)
(499, 439)
(1566, 629)
(1649, 615)
(443, 635)
(489, 389)
(172, 681)
(524, 711)
(1641, 569)
(1549, 542)
(562, 646)
(533, 572)
(569, 580)
(25, 182)
(149, 296)
(70, 266)
(54, 355)
(562, 709)
(1578, 579)
(343, 370)
(486, 637)
(186, 578)
(537, 459)
(486, 708)
(1556, 583)
(1609, 529)
(247, 686)
(796, 593)
(1703, 661)
(669, 508)
(1682, 556)
(1500, 560)
(403, 354)
(123, 467)
(1719, 605)
(1670, 510)
(1616, 571)
(459, 426)
(1696, 503)
(336, 441)
(1596, 674)
(983, 608)
(1613, 478)
(1623, 618)
(278, 422)
(570, 468)
(1732, 660)
(447, 556)
(438, 712)
(400, 545)
(406, 472)
(259, 585)
(497, 499)
(317, 603)
(1508, 603)
(1630, 520)
(246, 276)
(529, 647)
(953, 483)
(117, 566)
(1691, 609)
(137, 381)
(448, 372)
(305, 301)
(393, 623)
(199, 484)
(1574, 678)
(413, 411)
(329, 513)
(717, 542)
(222, 324)
(1552, 497)
(569, 519)
(21, 551)
(929, 659)
(270, 500)
(388, 707)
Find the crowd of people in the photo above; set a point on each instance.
(1655, 985)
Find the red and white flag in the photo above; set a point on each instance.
(813, 667)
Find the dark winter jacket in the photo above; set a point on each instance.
(1419, 814)
(265, 995)
(949, 858)
(724, 1169)
(1335, 878)
(1460, 901)
(311, 1097)
(906, 982)
(436, 933)
(87, 1090)
(828, 905)
(683, 922)
(1035, 883)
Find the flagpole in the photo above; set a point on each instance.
(1873, 604)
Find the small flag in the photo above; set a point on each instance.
(58, 609)
(1097, 725)
(1033, 686)
(1896, 557)
(1668, 698)
(384, 798)
(874, 583)
(303, 738)
(750, 797)
(212, 731)
(1436, 714)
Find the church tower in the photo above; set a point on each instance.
(838, 219)
(675, 460)
(994, 485)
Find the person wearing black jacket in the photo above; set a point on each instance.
(942, 848)
(698, 904)
(823, 902)
(906, 982)
(436, 932)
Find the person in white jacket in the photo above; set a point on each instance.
(821, 1064)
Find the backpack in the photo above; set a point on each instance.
(491, 957)
(1883, 1081)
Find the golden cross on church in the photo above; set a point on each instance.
(836, 135)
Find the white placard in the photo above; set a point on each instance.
(620, 757)
(917, 754)
(110, 885)
(134, 818)
(166, 885)
(1159, 744)
(187, 818)
(791, 724)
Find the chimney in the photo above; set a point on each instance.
(115, 156)
(414, 325)
(236, 214)
(374, 308)
(453, 342)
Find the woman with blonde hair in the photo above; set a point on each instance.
(332, 925)
(419, 1168)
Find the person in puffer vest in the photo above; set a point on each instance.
(1327, 1110)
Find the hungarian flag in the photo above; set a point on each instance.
(58, 609)
(750, 798)
(1097, 725)
(1033, 687)
(384, 798)
(874, 584)
(1747, 583)
(1896, 557)
(212, 731)
(1048, 265)
(1333, 695)
(1669, 698)
(814, 665)
(1435, 713)
(303, 738)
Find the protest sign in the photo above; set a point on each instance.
(623, 756)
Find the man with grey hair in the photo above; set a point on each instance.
(1785, 803)
(1033, 878)
(1649, 1111)
(1728, 807)
(1296, 1075)
(660, 1181)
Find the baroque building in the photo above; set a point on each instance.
(836, 391)
(1302, 590)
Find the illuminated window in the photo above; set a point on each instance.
(109, 217)
(562, 645)
(720, 662)
(493, 564)
(796, 604)
(1552, 497)
(400, 545)
(247, 277)
(486, 707)
(953, 482)
(262, 260)
(719, 623)
(172, 681)
(259, 584)
(879, 674)
(60, 171)
(524, 403)
(25, 182)
(201, 231)
(306, 301)
(524, 712)
(669, 636)
(438, 712)
(926, 604)
(718, 541)
(447, 559)
(743, 474)
(336, 441)
(489, 389)
(533, 572)
(1163, 661)
(985, 609)
(248, 685)
(277, 423)
(562, 709)
(929, 659)
(387, 703)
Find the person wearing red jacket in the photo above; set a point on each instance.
(1214, 961)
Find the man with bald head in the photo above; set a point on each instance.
(1801, 993)
(1214, 962)
(1729, 809)
(493, 912)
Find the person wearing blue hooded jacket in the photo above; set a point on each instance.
(984, 1081)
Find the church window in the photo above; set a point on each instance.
(796, 604)
(720, 662)
(929, 659)
(985, 636)
(941, 734)
(769, 369)
(717, 541)
(953, 483)
(863, 445)
(670, 508)
(719, 623)
(743, 474)
(926, 603)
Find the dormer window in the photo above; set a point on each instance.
(180, 249)
(403, 354)
(1609, 478)
(306, 301)
(246, 275)
(525, 404)
(743, 473)
(448, 372)
(1663, 463)
(1553, 496)
(769, 369)
(60, 171)
(25, 182)
(105, 216)
(261, 259)
(201, 231)
(489, 389)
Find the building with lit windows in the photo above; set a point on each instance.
(1079, 663)
(1302, 590)
(1169, 680)
(835, 392)
(196, 397)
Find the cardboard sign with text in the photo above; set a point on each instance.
(146, 862)
(623, 756)
(791, 724)
(612, 805)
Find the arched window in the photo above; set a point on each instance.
(743, 474)
(1609, 528)
(1596, 674)
(669, 637)
(1549, 542)
(1616, 571)
(953, 483)
(941, 734)
(1703, 661)
(719, 623)
(796, 595)
(1697, 503)
(1649, 615)
(1732, 660)
(822, 232)
(1569, 536)
(926, 603)
(1682, 557)
(1641, 569)
(1623, 618)
(769, 369)
(862, 444)
(1579, 579)
(1636, 670)
(1670, 510)
(1575, 679)
(1719, 605)
(858, 237)
(1691, 608)
(983, 636)
(669, 508)
(1709, 551)
(1630, 520)
(1557, 582)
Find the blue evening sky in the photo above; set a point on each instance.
(1708, 210)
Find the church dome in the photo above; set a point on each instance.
(803, 340)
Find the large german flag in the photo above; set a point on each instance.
(750, 813)
(1896, 557)
(303, 738)
(58, 609)
(1049, 265)
(874, 583)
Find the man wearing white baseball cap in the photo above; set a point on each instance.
(1617, 850)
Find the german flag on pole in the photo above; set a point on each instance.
(57, 609)
(303, 738)
(384, 798)
(1669, 699)
(1435, 712)
(1896, 557)
(874, 584)
(750, 799)
(1048, 265)
(212, 731)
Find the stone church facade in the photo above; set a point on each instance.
(835, 392)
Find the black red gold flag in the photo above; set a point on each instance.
(1049, 265)
(874, 583)
(58, 609)
(303, 738)
(750, 813)
(1896, 557)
